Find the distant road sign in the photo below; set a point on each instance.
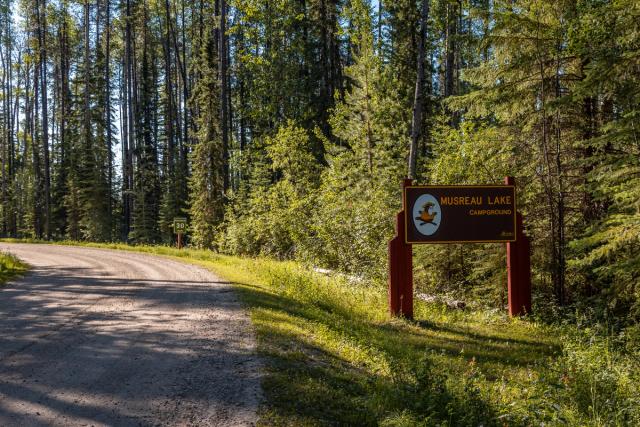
(460, 214)
(179, 225)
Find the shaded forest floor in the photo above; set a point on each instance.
(333, 356)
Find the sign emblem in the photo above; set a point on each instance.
(427, 214)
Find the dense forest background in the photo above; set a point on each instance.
(284, 128)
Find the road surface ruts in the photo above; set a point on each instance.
(99, 337)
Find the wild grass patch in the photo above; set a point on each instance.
(10, 267)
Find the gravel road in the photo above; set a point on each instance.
(94, 337)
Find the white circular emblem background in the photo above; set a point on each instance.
(429, 228)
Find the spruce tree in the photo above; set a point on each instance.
(206, 184)
(146, 201)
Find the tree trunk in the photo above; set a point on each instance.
(379, 38)
(223, 94)
(35, 150)
(169, 97)
(450, 45)
(87, 84)
(107, 80)
(129, 144)
(42, 40)
(5, 141)
(416, 124)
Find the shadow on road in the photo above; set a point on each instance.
(78, 346)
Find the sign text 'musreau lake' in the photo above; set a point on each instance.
(460, 214)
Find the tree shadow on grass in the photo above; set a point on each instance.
(312, 381)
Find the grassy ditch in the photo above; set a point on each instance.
(10, 267)
(334, 357)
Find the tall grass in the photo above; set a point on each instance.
(10, 267)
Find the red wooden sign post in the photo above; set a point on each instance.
(401, 268)
(487, 212)
(518, 268)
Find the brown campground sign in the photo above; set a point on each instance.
(460, 214)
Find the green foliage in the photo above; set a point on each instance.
(607, 254)
(10, 267)
(86, 192)
(601, 381)
(280, 206)
(339, 215)
(206, 189)
(206, 199)
(146, 200)
(291, 157)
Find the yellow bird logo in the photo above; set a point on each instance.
(426, 216)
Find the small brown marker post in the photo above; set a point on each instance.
(518, 268)
(179, 227)
(401, 268)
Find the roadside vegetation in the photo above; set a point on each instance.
(10, 267)
(333, 355)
